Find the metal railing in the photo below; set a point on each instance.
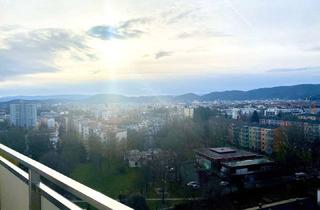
(37, 188)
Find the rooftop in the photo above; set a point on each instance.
(250, 162)
(225, 154)
(222, 150)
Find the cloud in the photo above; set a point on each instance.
(34, 51)
(174, 17)
(204, 34)
(8, 28)
(125, 30)
(161, 54)
(96, 72)
(301, 69)
(105, 32)
(135, 22)
(317, 48)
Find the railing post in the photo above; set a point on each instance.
(34, 191)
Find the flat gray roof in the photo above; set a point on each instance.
(222, 149)
(250, 162)
(234, 154)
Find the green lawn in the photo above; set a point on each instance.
(112, 182)
(109, 181)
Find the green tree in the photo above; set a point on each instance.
(111, 149)
(38, 144)
(95, 150)
(14, 138)
(178, 139)
(137, 202)
(218, 131)
(202, 114)
(136, 140)
(72, 150)
(254, 117)
(315, 153)
(181, 137)
(295, 152)
(54, 160)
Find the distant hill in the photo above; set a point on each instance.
(315, 98)
(41, 98)
(282, 92)
(304, 91)
(187, 97)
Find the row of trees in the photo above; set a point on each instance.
(296, 152)
(72, 151)
(36, 144)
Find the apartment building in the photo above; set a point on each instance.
(23, 115)
(311, 128)
(260, 138)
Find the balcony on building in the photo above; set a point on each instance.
(26, 184)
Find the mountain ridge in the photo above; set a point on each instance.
(293, 92)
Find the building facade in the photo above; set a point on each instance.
(23, 115)
(260, 138)
(311, 129)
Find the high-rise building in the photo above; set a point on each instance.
(23, 115)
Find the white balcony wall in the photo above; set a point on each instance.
(47, 205)
(14, 186)
(14, 192)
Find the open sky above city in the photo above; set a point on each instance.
(149, 47)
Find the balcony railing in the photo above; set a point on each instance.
(20, 190)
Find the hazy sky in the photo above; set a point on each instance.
(145, 47)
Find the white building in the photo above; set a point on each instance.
(3, 115)
(271, 112)
(51, 123)
(235, 113)
(121, 135)
(248, 111)
(188, 112)
(23, 115)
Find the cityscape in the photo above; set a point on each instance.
(159, 105)
(177, 153)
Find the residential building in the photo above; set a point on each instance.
(271, 112)
(260, 138)
(137, 158)
(309, 117)
(3, 115)
(23, 115)
(311, 128)
(188, 112)
(235, 113)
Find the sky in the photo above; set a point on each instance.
(150, 47)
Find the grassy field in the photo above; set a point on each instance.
(111, 181)
(117, 180)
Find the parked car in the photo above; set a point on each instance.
(224, 183)
(193, 185)
(300, 175)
